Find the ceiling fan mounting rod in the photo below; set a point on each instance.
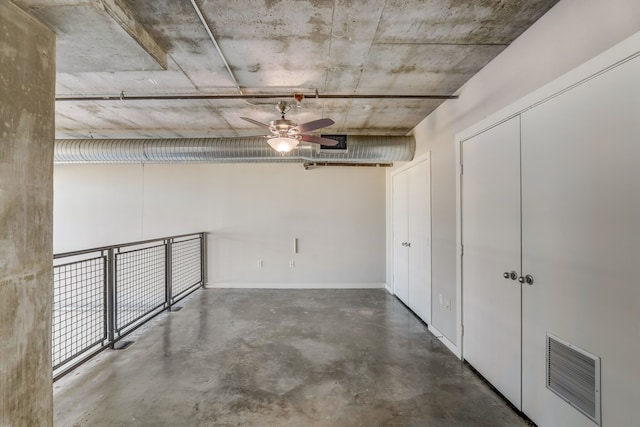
(241, 96)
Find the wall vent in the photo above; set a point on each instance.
(574, 375)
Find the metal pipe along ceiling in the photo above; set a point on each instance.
(361, 149)
(202, 96)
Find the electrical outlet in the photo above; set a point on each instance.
(292, 264)
(260, 264)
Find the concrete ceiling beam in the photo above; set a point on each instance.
(120, 13)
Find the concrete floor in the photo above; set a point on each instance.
(281, 358)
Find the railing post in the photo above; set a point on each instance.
(168, 272)
(203, 259)
(111, 297)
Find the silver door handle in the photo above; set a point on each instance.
(510, 275)
(528, 279)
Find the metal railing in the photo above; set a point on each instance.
(102, 294)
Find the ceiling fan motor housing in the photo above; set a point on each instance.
(285, 128)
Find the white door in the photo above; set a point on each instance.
(420, 240)
(491, 242)
(400, 220)
(581, 241)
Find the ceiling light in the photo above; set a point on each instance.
(283, 144)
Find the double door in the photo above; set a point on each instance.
(553, 195)
(411, 218)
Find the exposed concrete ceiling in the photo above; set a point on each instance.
(147, 48)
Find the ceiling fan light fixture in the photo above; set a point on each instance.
(283, 144)
(286, 135)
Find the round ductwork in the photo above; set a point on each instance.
(360, 149)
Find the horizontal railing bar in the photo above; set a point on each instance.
(79, 353)
(139, 249)
(79, 261)
(76, 253)
(121, 245)
(186, 240)
(185, 293)
(162, 306)
(187, 288)
(122, 335)
(85, 359)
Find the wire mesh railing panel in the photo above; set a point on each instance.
(186, 266)
(140, 284)
(79, 309)
(102, 294)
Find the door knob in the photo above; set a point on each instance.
(528, 279)
(510, 275)
(408, 244)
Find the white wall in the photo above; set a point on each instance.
(571, 33)
(90, 200)
(253, 213)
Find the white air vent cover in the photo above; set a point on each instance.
(574, 375)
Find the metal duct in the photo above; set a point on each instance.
(360, 149)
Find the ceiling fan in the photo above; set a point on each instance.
(286, 135)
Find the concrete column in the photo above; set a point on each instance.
(27, 86)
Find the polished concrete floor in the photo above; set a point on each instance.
(281, 358)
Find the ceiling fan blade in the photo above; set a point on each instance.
(316, 124)
(255, 122)
(319, 140)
